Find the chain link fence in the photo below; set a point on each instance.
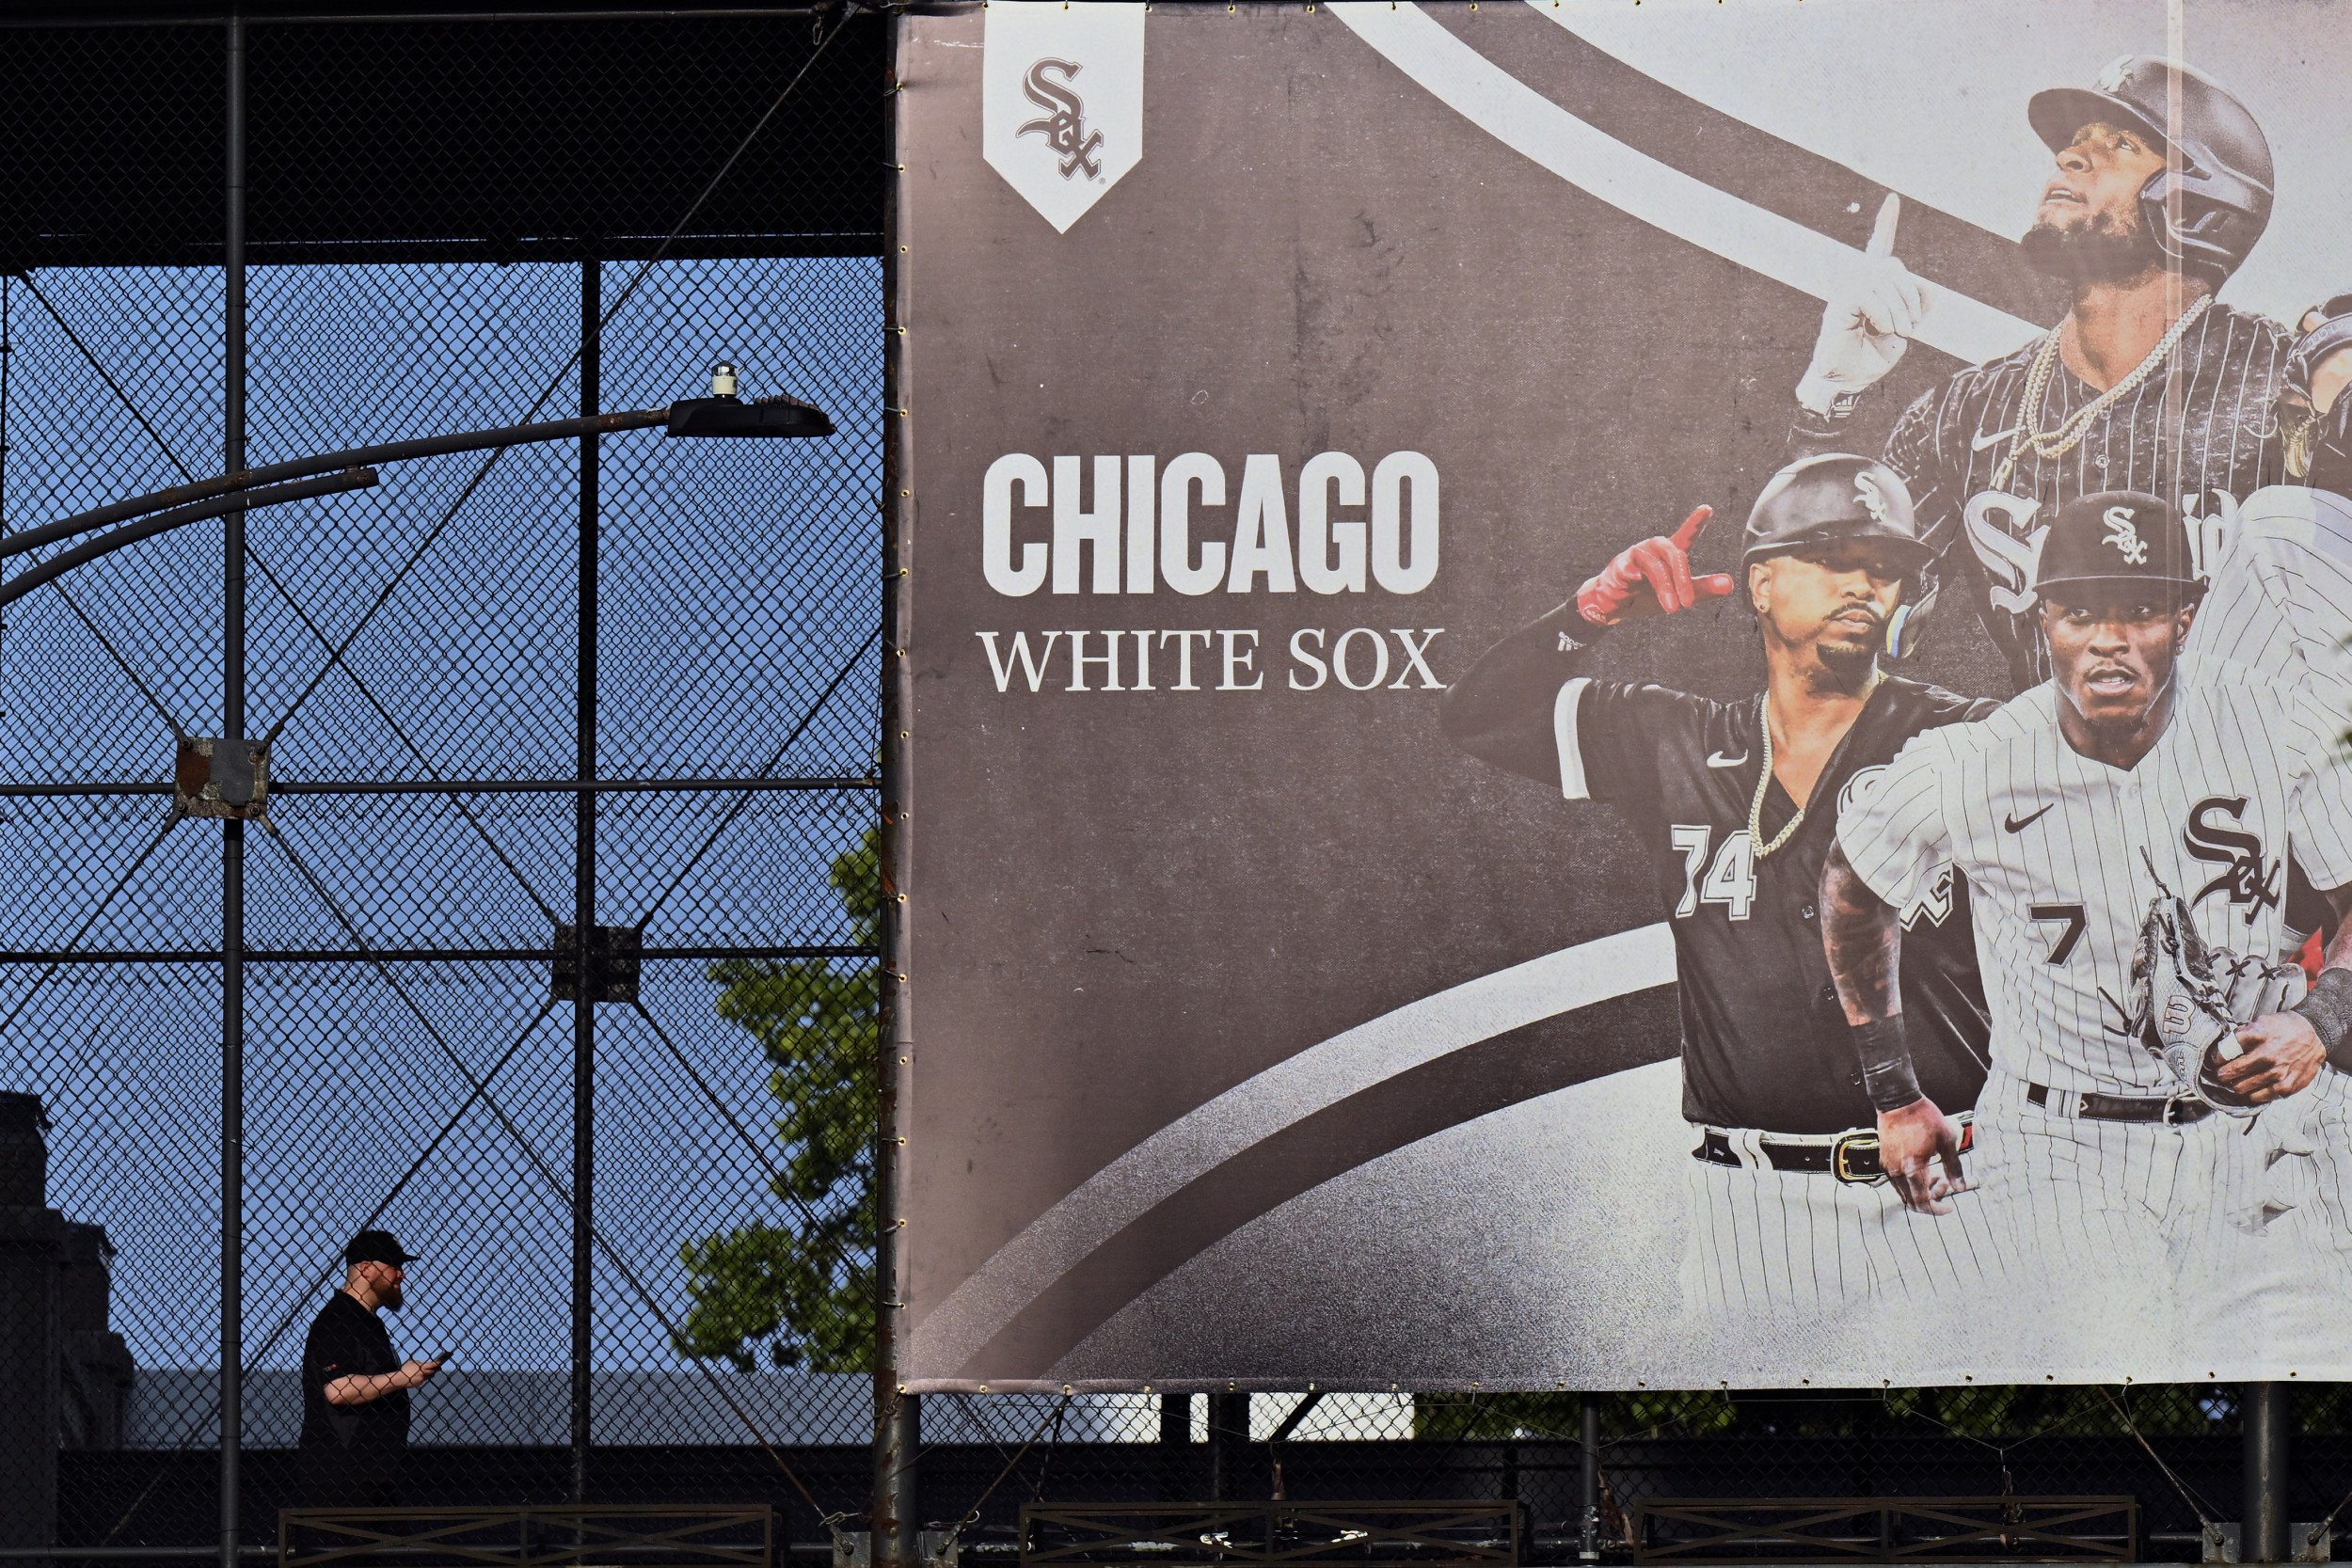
(461, 225)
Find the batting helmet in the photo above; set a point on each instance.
(2225, 183)
(1837, 497)
(1828, 499)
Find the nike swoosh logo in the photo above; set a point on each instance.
(1997, 436)
(2016, 825)
(1716, 759)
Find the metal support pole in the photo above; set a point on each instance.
(232, 728)
(2264, 1532)
(1229, 1436)
(894, 1515)
(1175, 1447)
(584, 885)
(1588, 1493)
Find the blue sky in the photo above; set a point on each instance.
(738, 579)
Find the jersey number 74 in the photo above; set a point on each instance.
(1729, 881)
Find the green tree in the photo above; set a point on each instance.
(800, 1293)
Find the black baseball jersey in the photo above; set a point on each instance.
(1949, 445)
(1764, 1039)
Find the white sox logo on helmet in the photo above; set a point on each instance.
(1873, 499)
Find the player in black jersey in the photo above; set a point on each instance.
(2149, 382)
(1737, 805)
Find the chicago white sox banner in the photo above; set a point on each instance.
(1618, 696)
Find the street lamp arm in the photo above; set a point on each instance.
(302, 468)
(24, 582)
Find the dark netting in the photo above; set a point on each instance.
(455, 225)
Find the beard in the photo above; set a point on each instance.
(389, 1299)
(2104, 249)
(1849, 666)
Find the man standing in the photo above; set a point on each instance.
(1736, 804)
(2125, 821)
(355, 1391)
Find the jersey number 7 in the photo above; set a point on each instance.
(1730, 882)
(2076, 919)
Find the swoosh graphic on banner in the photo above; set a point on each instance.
(1250, 1112)
(1639, 186)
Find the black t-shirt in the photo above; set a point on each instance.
(347, 1339)
(1764, 1040)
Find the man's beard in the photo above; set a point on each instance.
(1850, 667)
(2103, 251)
(388, 1298)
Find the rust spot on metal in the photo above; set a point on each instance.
(195, 789)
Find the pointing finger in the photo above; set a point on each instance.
(1652, 561)
(1882, 230)
(1692, 526)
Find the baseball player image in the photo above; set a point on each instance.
(2123, 827)
(1736, 804)
(2149, 382)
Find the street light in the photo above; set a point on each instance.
(722, 414)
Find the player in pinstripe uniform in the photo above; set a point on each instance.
(1734, 804)
(2133, 771)
(2149, 382)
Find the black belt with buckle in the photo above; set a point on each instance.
(1851, 1157)
(2117, 1107)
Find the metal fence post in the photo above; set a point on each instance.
(1588, 1490)
(232, 831)
(1229, 1436)
(1175, 1447)
(2263, 1529)
(894, 1518)
(584, 886)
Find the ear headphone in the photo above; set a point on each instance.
(1903, 627)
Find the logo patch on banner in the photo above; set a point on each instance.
(1061, 101)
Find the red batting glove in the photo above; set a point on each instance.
(1652, 578)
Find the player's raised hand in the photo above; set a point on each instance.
(1872, 314)
(1919, 1151)
(1652, 578)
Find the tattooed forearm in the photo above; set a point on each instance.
(1864, 942)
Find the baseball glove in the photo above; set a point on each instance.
(2191, 998)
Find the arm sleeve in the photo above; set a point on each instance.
(1608, 737)
(1895, 838)
(2319, 810)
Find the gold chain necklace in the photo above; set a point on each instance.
(1764, 780)
(2048, 444)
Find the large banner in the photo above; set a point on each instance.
(1404, 896)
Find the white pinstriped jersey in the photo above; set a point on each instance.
(1948, 444)
(2058, 850)
(2281, 599)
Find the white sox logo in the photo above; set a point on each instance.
(2001, 531)
(1065, 128)
(2124, 535)
(2244, 875)
(1873, 499)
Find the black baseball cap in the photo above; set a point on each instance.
(2117, 538)
(376, 1246)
